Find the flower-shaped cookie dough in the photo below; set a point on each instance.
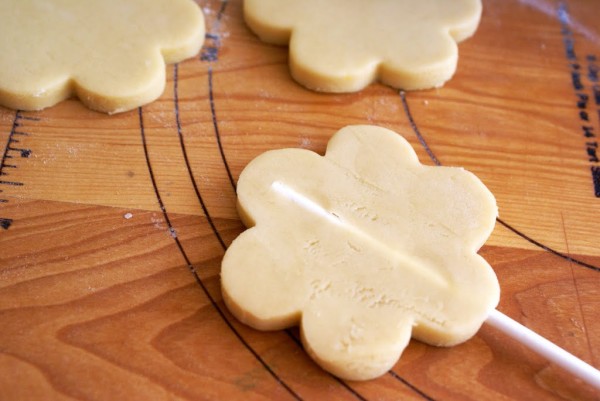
(111, 54)
(361, 248)
(343, 45)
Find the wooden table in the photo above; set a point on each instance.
(113, 227)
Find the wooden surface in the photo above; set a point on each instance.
(113, 227)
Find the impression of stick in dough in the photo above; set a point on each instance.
(362, 248)
(344, 45)
(110, 54)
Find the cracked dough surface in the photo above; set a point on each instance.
(344, 45)
(363, 248)
(110, 54)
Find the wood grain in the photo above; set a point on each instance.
(113, 227)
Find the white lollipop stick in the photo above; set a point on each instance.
(546, 348)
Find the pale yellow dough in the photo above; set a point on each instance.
(343, 45)
(111, 54)
(362, 248)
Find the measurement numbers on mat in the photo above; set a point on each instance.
(585, 78)
(13, 151)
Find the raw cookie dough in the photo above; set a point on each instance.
(362, 248)
(344, 45)
(111, 54)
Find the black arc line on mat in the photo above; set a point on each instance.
(409, 385)
(210, 220)
(216, 126)
(210, 54)
(193, 270)
(538, 244)
(186, 158)
(340, 381)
